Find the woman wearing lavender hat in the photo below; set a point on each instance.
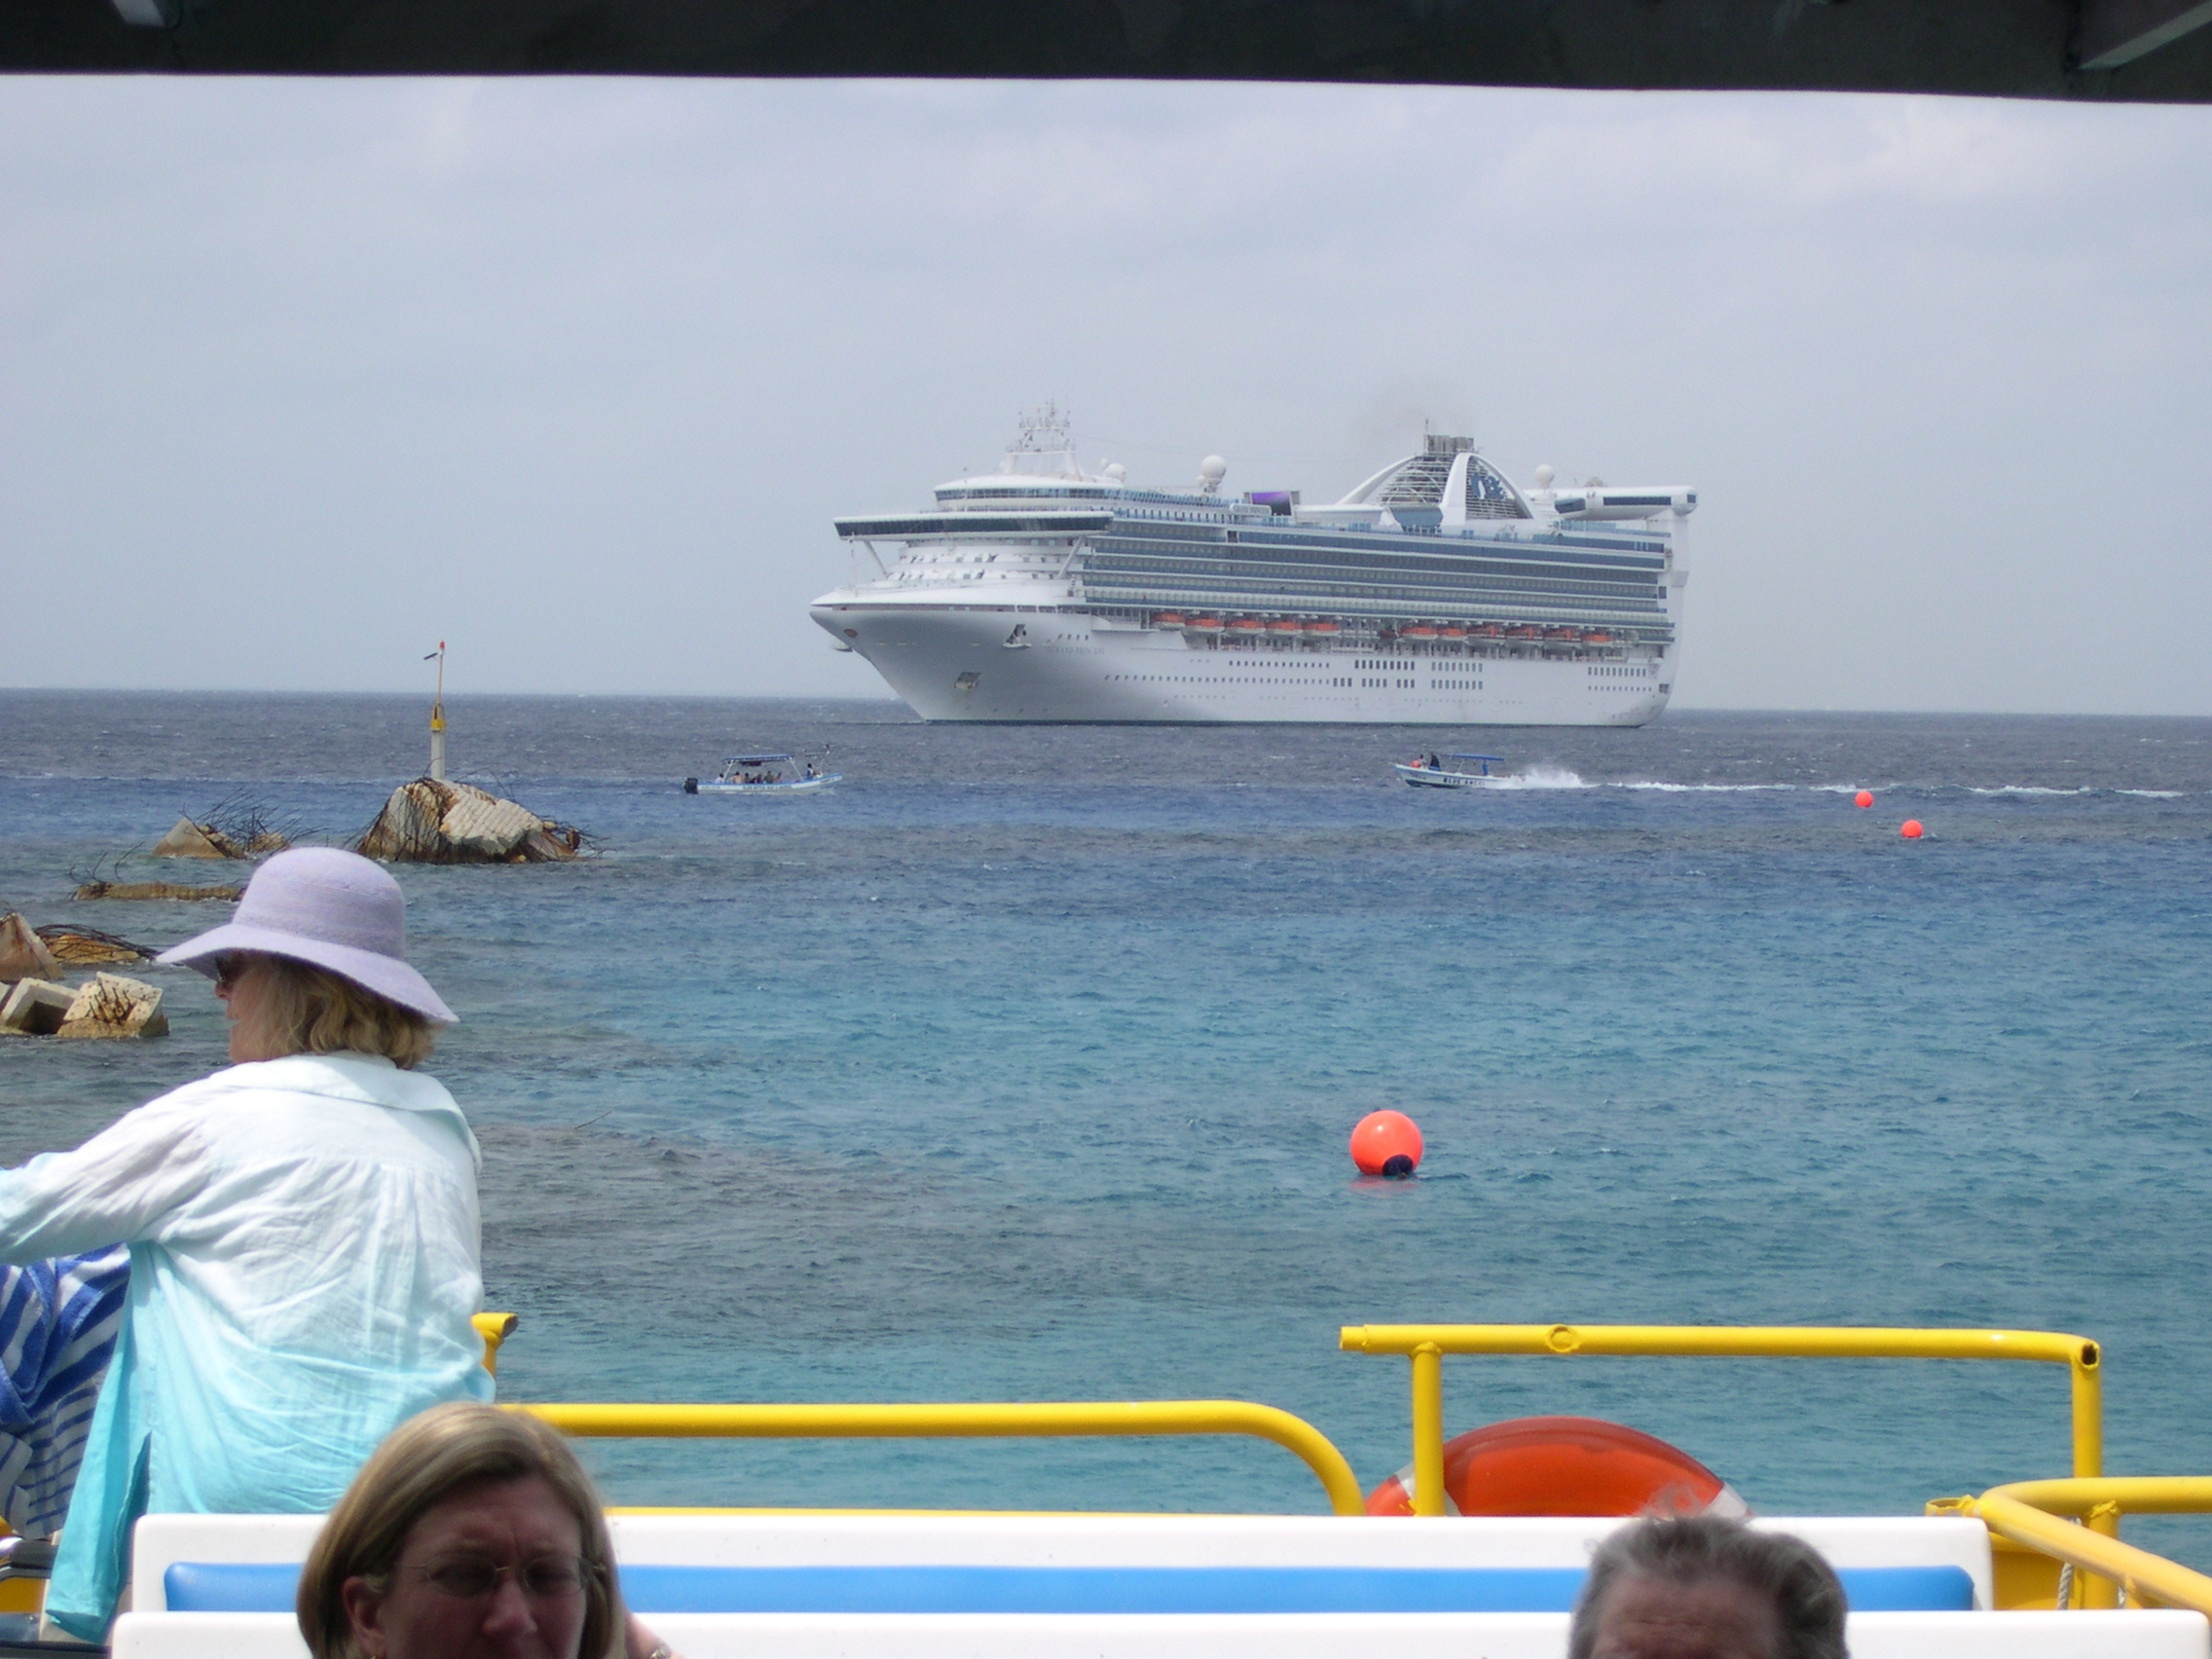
(303, 1229)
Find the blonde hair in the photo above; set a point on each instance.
(312, 1011)
(424, 1461)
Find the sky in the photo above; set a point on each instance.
(298, 378)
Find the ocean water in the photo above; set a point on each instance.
(1021, 1065)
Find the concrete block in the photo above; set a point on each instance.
(112, 1006)
(24, 955)
(36, 1008)
(188, 840)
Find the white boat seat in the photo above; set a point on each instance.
(1267, 1636)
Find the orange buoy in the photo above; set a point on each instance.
(1565, 1465)
(1386, 1143)
(1910, 830)
(1865, 798)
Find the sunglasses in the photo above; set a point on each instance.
(230, 968)
(471, 1578)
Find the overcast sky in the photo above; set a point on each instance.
(300, 377)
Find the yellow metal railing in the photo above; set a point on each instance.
(1011, 1419)
(2043, 1516)
(1427, 1345)
(495, 1329)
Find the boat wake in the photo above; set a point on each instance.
(1539, 778)
(1566, 778)
(1704, 789)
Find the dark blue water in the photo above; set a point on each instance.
(1020, 1066)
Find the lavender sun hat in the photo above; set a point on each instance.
(329, 909)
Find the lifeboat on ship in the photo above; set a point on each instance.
(1167, 619)
(1203, 625)
(1243, 627)
(1596, 637)
(1418, 631)
(1486, 631)
(1282, 628)
(1565, 1465)
(1321, 629)
(1520, 631)
(1451, 631)
(1559, 633)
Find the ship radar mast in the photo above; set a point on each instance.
(1041, 444)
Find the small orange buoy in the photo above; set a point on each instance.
(1386, 1143)
(1865, 798)
(1910, 830)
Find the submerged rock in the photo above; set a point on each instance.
(112, 1006)
(24, 955)
(432, 821)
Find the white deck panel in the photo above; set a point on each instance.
(1085, 1540)
(1273, 1635)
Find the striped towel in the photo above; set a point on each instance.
(58, 1321)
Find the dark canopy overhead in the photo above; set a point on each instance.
(2140, 49)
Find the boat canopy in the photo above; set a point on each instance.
(754, 759)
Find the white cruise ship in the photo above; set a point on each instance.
(1435, 593)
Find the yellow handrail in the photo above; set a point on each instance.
(1425, 1345)
(2028, 1512)
(973, 1420)
(494, 1329)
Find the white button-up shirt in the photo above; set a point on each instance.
(304, 1246)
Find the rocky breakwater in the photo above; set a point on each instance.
(430, 821)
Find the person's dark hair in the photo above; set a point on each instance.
(424, 1461)
(1807, 1596)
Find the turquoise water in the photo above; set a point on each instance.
(1020, 1066)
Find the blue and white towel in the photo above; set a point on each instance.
(58, 1321)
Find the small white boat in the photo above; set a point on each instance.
(1435, 771)
(764, 775)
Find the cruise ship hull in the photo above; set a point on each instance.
(956, 663)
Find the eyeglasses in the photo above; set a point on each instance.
(471, 1578)
(230, 968)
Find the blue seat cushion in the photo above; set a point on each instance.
(214, 1587)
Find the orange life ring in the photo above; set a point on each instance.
(1565, 1465)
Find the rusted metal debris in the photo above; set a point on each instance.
(87, 948)
(155, 890)
(236, 827)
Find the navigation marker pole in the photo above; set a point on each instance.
(438, 717)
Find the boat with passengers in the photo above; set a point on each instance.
(1432, 771)
(2031, 1570)
(772, 775)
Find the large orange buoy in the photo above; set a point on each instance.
(1565, 1465)
(1910, 830)
(1865, 798)
(1386, 1143)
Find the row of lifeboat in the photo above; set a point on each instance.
(1248, 627)
(1419, 633)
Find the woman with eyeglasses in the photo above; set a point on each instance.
(303, 1227)
(472, 1533)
